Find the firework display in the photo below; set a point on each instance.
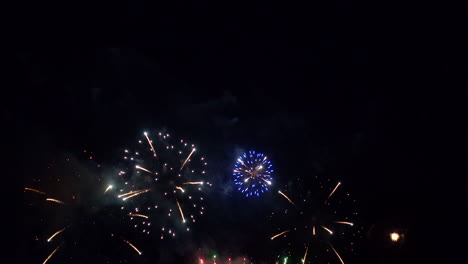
(158, 190)
(164, 184)
(214, 258)
(252, 173)
(75, 206)
(315, 223)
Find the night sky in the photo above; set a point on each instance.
(345, 91)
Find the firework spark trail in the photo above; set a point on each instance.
(138, 215)
(345, 223)
(180, 209)
(56, 233)
(329, 231)
(135, 193)
(242, 162)
(277, 235)
(130, 244)
(285, 196)
(128, 193)
(54, 200)
(305, 255)
(188, 157)
(34, 190)
(141, 168)
(51, 254)
(338, 255)
(313, 230)
(268, 182)
(201, 183)
(336, 187)
(180, 188)
(151, 145)
(108, 188)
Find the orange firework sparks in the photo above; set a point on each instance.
(201, 183)
(277, 235)
(54, 200)
(141, 168)
(180, 209)
(133, 194)
(129, 193)
(336, 187)
(51, 254)
(108, 188)
(151, 145)
(344, 223)
(130, 244)
(285, 196)
(268, 182)
(329, 231)
(188, 157)
(33, 190)
(56, 233)
(305, 254)
(338, 255)
(138, 215)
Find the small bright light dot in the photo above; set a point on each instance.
(394, 237)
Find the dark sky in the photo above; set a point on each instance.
(346, 90)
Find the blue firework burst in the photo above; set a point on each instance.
(252, 173)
